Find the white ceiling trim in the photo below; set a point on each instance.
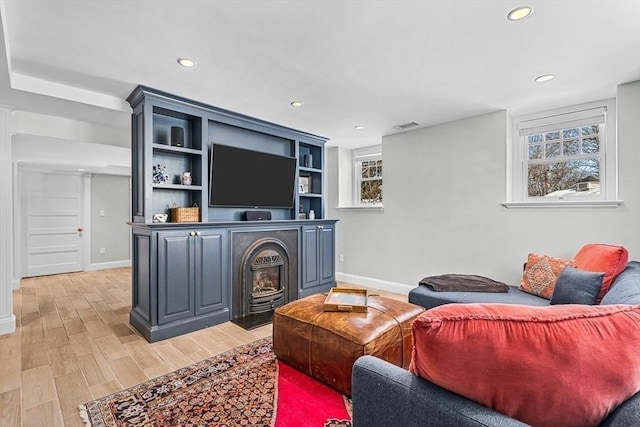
(70, 93)
(5, 34)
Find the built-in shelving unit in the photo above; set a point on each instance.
(182, 272)
(310, 167)
(155, 113)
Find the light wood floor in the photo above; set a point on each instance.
(73, 344)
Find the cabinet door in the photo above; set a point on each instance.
(175, 276)
(210, 292)
(327, 254)
(310, 271)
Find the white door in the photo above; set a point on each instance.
(52, 205)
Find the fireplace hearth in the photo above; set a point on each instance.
(265, 274)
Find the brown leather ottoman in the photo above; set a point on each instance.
(325, 345)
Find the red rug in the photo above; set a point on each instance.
(305, 402)
(246, 386)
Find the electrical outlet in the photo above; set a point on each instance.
(101, 213)
(103, 251)
(341, 258)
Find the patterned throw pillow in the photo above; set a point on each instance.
(541, 274)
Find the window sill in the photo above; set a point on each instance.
(564, 204)
(377, 208)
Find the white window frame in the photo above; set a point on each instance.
(364, 155)
(517, 155)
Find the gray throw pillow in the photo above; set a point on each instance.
(625, 289)
(577, 287)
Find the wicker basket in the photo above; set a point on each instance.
(191, 214)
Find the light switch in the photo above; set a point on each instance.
(101, 212)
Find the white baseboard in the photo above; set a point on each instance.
(106, 265)
(7, 324)
(369, 282)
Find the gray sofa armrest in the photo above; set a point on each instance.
(386, 395)
(625, 415)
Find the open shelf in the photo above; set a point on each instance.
(200, 126)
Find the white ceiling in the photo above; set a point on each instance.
(370, 63)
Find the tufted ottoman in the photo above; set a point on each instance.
(325, 345)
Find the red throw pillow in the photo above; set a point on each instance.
(607, 259)
(541, 274)
(562, 365)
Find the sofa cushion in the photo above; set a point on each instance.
(541, 273)
(428, 298)
(609, 259)
(568, 365)
(625, 289)
(576, 286)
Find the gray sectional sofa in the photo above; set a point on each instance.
(386, 395)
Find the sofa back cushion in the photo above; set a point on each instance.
(625, 289)
(568, 365)
(608, 259)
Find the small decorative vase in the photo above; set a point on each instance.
(186, 178)
(312, 214)
(308, 160)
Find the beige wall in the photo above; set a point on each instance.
(443, 189)
(110, 193)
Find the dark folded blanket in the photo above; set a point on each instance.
(463, 283)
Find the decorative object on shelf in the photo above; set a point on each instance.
(305, 184)
(161, 217)
(190, 214)
(160, 174)
(186, 178)
(177, 136)
(312, 214)
(307, 159)
(301, 213)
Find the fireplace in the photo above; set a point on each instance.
(265, 266)
(266, 276)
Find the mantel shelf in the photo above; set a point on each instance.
(178, 187)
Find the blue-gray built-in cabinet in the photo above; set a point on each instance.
(191, 275)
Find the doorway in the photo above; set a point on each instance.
(52, 206)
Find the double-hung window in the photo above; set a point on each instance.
(565, 157)
(368, 179)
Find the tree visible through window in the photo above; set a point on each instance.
(562, 160)
(369, 180)
(371, 183)
(566, 155)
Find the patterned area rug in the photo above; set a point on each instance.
(246, 386)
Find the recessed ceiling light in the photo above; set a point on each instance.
(186, 62)
(296, 104)
(544, 78)
(359, 127)
(80, 169)
(519, 13)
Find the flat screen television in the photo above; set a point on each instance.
(245, 178)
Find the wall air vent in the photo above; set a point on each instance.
(406, 126)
